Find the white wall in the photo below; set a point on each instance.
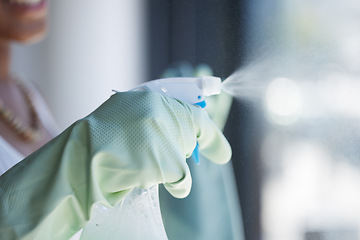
(92, 47)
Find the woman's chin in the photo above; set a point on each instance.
(29, 38)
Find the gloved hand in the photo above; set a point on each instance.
(135, 139)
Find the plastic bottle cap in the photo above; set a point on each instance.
(211, 85)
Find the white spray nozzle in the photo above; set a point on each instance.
(211, 85)
(191, 90)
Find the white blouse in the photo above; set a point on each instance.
(9, 156)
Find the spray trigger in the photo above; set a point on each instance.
(202, 104)
(195, 155)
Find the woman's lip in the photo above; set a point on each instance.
(27, 6)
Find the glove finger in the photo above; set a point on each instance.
(212, 143)
(182, 187)
(114, 178)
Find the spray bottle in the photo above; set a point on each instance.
(191, 90)
(138, 215)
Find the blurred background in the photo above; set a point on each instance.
(295, 137)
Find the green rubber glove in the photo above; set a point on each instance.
(135, 139)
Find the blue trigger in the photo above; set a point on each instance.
(195, 155)
(201, 104)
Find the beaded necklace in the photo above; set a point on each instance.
(31, 133)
